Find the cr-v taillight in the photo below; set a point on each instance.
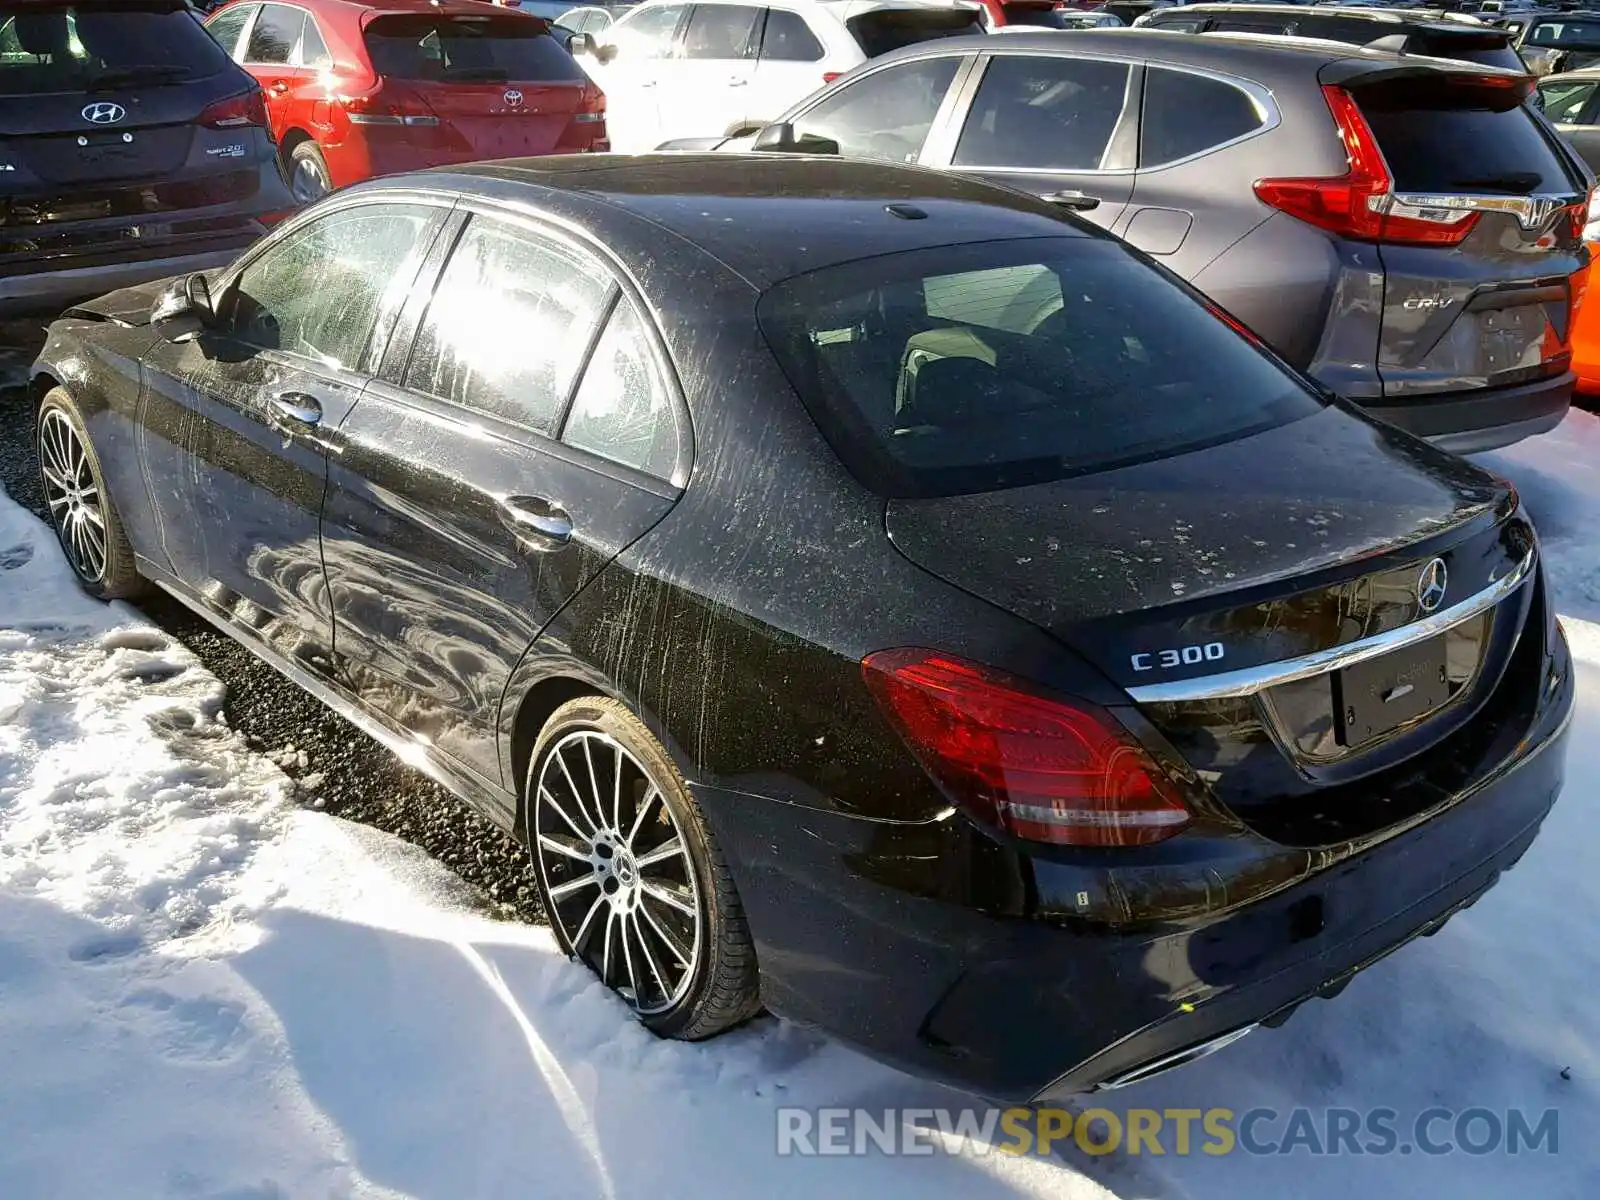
(1360, 204)
(236, 112)
(1043, 769)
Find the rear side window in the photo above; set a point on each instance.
(313, 50)
(721, 31)
(623, 409)
(1186, 114)
(508, 325)
(275, 35)
(227, 26)
(789, 39)
(886, 114)
(977, 367)
(1565, 35)
(46, 48)
(1439, 139)
(1043, 113)
(891, 28)
(465, 49)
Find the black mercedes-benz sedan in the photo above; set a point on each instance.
(871, 594)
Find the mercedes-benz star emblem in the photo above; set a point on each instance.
(513, 97)
(103, 112)
(1431, 585)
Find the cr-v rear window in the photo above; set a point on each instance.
(99, 44)
(464, 49)
(1440, 138)
(886, 29)
(975, 367)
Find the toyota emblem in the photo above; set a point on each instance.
(513, 97)
(1431, 585)
(103, 112)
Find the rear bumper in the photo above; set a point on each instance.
(1483, 419)
(50, 290)
(914, 942)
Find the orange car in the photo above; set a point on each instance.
(1586, 334)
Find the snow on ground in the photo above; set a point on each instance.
(205, 992)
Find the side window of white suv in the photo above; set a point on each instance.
(646, 34)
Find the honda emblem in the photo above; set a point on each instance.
(103, 112)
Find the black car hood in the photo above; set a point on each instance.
(127, 306)
(1149, 553)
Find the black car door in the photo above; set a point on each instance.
(250, 405)
(1062, 127)
(457, 522)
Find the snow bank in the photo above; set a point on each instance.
(207, 993)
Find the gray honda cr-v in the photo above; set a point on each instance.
(131, 148)
(1404, 229)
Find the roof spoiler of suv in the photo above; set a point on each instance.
(1510, 88)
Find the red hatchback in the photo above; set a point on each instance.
(358, 88)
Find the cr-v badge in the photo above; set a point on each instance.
(103, 112)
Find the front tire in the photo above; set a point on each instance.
(86, 521)
(630, 876)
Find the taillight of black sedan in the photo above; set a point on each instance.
(871, 595)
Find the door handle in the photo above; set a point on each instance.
(298, 407)
(280, 86)
(647, 83)
(1075, 200)
(539, 524)
(738, 81)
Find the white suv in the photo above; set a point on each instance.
(672, 69)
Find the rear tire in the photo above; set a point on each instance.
(630, 875)
(85, 519)
(309, 180)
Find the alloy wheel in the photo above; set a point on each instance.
(309, 183)
(618, 875)
(74, 494)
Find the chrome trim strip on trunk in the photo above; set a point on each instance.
(1180, 1058)
(1247, 681)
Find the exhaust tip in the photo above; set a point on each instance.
(1180, 1058)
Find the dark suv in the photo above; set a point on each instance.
(1404, 229)
(131, 148)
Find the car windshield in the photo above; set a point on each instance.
(976, 367)
(100, 44)
(1583, 35)
(491, 49)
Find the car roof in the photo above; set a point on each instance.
(368, 9)
(765, 216)
(1388, 16)
(1240, 53)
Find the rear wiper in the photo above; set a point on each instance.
(481, 74)
(117, 77)
(1518, 183)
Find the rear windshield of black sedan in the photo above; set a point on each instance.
(977, 367)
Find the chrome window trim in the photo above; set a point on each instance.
(1247, 681)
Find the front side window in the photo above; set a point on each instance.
(508, 325)
(646, 34)
(886, 114)
(623, 409)
(275, 35)
(1186, 114)
(1564, 100)
(977, 367)
(321, 291)
(721, 31)
(1046, 114)
(789, 39)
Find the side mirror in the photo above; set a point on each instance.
(184, 310)
(781, 137)
(581, 43)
